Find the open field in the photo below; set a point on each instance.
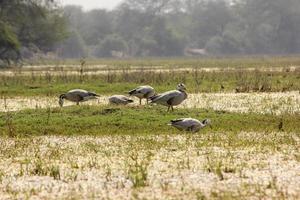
(101, 151)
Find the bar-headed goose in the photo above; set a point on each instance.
(119, 100)
(77, 95)
(189, 124)
(142, 92)
(171, 98)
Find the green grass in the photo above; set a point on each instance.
(99, 120)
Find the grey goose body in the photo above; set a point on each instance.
(77, 96)
(119, 100)
(171, 98)
(189, 124)
(143, 92)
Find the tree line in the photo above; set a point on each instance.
(145, 28)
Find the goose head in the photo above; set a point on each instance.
(93, 95)
(206, 122)
(181, 87)
(61, 100)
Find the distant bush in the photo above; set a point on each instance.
(110, 44)
(73, 47)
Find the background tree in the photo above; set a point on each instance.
(73, 47)
(166, 28)
(26, 23)
(138, 28)
(110, 44)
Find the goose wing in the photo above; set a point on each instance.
(76, 95)
(78, 91)
(188, 124)
(165, 97)
(141, 90)
(124, 98)
(119, 99)
(80, 95)
(185, 121)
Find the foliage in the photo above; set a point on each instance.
(108, 45)
(72, 47)
(9, 43)
(166, 28)
(144, 28)
(26, 24)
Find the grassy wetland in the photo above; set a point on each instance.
(101, 151)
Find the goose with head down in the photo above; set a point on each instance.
(77, 95)
(189, 124)
(171, 98)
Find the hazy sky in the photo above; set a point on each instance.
(90, 4)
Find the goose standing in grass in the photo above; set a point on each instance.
(142, 92)
(171, 98)
(189, 124)
(119, 100)
(77, 95)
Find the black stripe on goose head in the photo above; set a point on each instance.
(181, 87)
(93, 94)
(62, 96)
(61, 99)
(206, 121)
(176, 120)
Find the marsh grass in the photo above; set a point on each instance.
(9, 124)
(112, 81)
(138, 169)
(39, 167)
(149, 166)
(8, 118)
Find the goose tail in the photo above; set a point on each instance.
(153, 98)
(132, 92)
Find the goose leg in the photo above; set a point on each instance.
(140, 101)
(172, 108)
(168, 108)
(147, 101)
(77, 103)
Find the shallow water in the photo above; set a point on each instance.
(103, 69)
(265, 103)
